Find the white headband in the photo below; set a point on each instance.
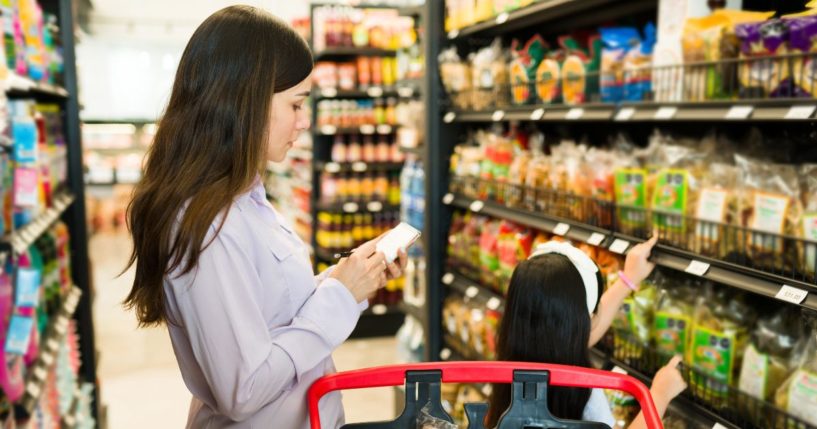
(584, 265)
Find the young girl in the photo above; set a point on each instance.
(553, 315)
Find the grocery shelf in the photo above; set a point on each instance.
(352, 207)
(370, 92)
(411, 10)
(473, 290)
(21, 239)
(331, 130)
(20, 86)
(547, 10)
(458, 350)
(413, 310)
(417, 151)
(357, 167)
(382, 310)
(793, 110)
(719, 271)
(352, 51)
(50, 343)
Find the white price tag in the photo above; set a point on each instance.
(33, 389)
(375, 91)
(384, 129)
(374, 206)
(739, 112)
(329, 130)
(445, 354)
(52, 344)
(502, 18)
(472, 291)
(561, 228)
(448, 278)
(719, 426)
(379, 309)
(329, 92)
(487, 390)
(405, 91)
(453, 34)
(48, 359)
(697, 268)
(619, 246)
(498, 115)
(800, 112)
(332, 167)
(448, 198)
(575, 113)
(70, 421)
(619, 370)
(791, 294)
(476, 206)
(359, 166)
(596, 239)
(350, 207)
(625, 114)
(449, 117)
(493, 303)
(367, 129)
(40, 373)
(537, 114)
(666, 112)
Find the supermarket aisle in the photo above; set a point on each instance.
(139, 379)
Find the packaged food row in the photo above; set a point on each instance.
(354, 113)
(341, 232)
(771, 356)
(366, 148)
(704, 196)
(362, 73)
(610, 66)
(360, 187)
(760, 43)
(33, 47)
(462, 13)
(344, 26)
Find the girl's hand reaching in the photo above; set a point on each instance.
(637, 267)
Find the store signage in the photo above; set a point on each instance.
(374, 206)
(448, 198)
(575, 113)
(800, 112)
(329, 92)
(448, 278)
(498, 115)
(449, 117)
(791, 294)
(619, 246)
(472, 291)
(367, 129)
(537, 114)
(697, 268)
(493, 303)
(561, 228)
(375, 91)
(739, 112)
(596, 239)
(625, 114)
(476, 206)
(667, 112)
(350, 207)
(502, 18)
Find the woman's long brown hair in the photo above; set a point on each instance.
(210, 143)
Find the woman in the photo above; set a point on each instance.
(251, 326)
(553, 314)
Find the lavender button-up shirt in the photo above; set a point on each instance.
(252, 327)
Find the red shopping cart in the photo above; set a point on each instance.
(529, 382)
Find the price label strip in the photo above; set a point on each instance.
(374, 206)
(329, 92)
(367, 129)
(379, 309)
(472, 291)
(537, 114)
(625, 114)
(448, 198)
(666, 112)
(561, 228)
(359, 167)
(791, 294)
(697, 268)
(477, 206)
(448, 278)
(502, 18)
(596, 239)
(800, 112)
(620, 246)
(498, 115)
(375, 91)
(493, 303)
(574, 113)
(739, 112)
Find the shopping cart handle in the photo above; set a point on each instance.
(482, 372)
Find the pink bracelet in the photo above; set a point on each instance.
(623, 277)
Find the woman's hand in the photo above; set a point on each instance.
(667, 384)
(363, 272)
(636, 266)
(396, 268)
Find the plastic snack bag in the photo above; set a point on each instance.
(456, 77)
(717, 206)
(673, 318)
(490, 77)
(426, 421)
(798, 394)
(637, 67)
(803, 40)
(617, 42)
(580, 82)
(762, 77)
(808, 175)
(524, 63)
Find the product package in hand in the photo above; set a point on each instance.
(399, 238)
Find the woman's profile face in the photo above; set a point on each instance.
(288, 119)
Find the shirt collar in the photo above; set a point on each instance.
(258, 194)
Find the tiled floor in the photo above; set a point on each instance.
(140, 382)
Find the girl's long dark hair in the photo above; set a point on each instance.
(210, 144)
(545, 321)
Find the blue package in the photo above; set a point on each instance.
(19, 335)
(617, 41)
(637, 68)
(24, 133)
(27, 292)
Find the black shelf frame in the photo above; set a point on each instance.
(357, 167)
(347, 51)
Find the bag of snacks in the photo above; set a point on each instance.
(634, 321)
(808, 176)
(490, 78)
(761, 76)
(717, 205)
(803, 40)
(456, 77)
(548, 80)
(488, 252)
(524, 63)
(798, 394)
(617, 42)
(638, 67)
(673, 318)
